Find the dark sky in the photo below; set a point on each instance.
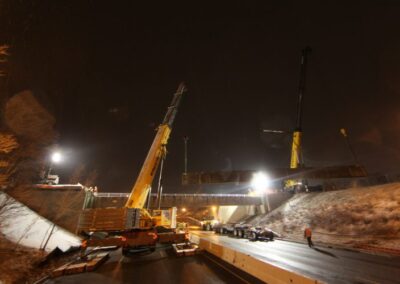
(108, 69)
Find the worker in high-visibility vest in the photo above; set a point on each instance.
(308, 235)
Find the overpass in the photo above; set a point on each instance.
(104, 199)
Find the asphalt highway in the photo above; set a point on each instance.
(163, 267)
(324, 264)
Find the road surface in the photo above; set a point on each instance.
(163, 267)
(324, 264)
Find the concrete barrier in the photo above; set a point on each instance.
(262, 270)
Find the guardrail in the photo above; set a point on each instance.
(115, 199)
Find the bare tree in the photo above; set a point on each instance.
(31, 127)
(3, 58)
(8, 143)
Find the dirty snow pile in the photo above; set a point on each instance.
(21, 225)
(369, 215)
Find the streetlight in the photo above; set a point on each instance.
(56, 157)
(185, 139)
(343, 131)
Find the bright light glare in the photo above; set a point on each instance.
(214, 208)
(183, 209)
(56, 157)
(260, 182)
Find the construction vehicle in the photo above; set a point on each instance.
(52, 179)
(133, 227)
(260, 233)
(247, 231)
(242, 230)
(296, 158)
(208, 223)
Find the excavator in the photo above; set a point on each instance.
(133, 227)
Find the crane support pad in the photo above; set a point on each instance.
(353, 171)
(109, 219)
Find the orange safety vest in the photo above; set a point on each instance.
(307, 232)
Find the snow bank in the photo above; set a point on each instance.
(21, 225)
(369, 215)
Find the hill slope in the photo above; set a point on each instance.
(368, 215)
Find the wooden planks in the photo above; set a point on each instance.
(91, 264)
(108, 219)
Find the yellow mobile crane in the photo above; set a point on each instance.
(296, 158)
(133, 227)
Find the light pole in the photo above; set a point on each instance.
(56, 158)
(343, 131)
(185, 139)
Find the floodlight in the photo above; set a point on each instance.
(260, 182)
(56, 157)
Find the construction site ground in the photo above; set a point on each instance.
(285, 260)
(162, 266)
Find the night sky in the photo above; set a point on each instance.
(107, 71)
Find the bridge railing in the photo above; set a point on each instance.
(122, 194)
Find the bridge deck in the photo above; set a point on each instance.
(109, 199)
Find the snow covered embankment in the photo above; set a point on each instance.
(23, 226)
(356, 216)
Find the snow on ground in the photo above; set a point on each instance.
(369, 215)
(21, 225)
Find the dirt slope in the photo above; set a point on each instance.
(16, 262)
(369, 215)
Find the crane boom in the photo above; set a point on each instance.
(133, 227)
(157, 151)
(296, 160)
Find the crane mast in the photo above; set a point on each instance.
(296, 160)
(141, 188)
